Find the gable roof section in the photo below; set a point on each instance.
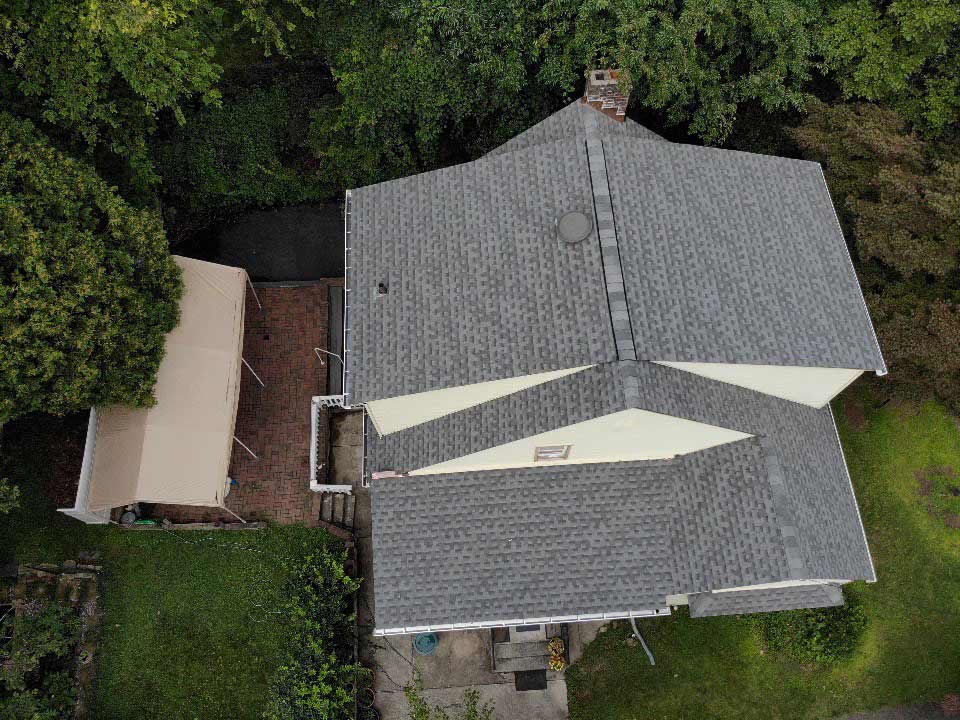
(478, 287)
(733, 257)
(817, 510)
(571, 122)
(575, 398)
(553, 542)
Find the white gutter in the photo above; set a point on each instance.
(593, 617)
(347, 240)
(853, 494)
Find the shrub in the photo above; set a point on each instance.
(236, 156)
(9, 496)
(317, 677)
(820, 635)
(36, 669)
(470, 706)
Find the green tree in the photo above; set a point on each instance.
(699, 60)
(104, 70)
(421, 81)
(905, 53)
(237, 155)
(87, 285)
(900, 202)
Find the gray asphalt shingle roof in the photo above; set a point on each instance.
(478, 287)
(766, 600)
(539, 542)
(723, 257)
(733, 257)
(787, 514)
(726, 256)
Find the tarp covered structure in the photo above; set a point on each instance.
(177, 451)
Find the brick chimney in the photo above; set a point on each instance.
(603, 93)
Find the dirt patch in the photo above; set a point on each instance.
(905, 408)
(58, 441)
(940, 489)
(926, 486)
(856, 414)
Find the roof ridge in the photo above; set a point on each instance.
(613, 278)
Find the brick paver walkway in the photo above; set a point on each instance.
(274, 421)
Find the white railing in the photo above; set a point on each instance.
(318, 403)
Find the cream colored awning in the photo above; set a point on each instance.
(179, 450)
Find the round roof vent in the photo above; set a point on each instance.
(574, 227)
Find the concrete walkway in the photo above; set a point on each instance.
(462, 661)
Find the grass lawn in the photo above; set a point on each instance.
(190, 626)
(719, 667)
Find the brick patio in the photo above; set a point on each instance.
(274, 421)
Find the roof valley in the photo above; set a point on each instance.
(609, 248)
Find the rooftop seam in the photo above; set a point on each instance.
(609, 249)
(789, 531)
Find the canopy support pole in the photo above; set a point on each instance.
(246, 448)
(253, 371)
(234, 514)
(255, 296)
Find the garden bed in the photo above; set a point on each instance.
(49, 630)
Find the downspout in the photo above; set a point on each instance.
(638, 636)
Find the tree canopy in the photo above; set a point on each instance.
(87, 285)
(103, 70)
(900, 197)
(414, 76)
(905, 53)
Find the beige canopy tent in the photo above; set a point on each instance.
(177, 451)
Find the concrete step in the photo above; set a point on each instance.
(338, 509)
(506, 665)
(507, 651)
(349, 511)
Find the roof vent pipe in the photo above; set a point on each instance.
(574, 227)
